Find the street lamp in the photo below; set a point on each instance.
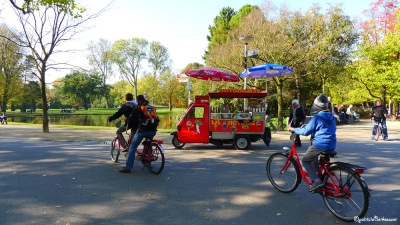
(245, 39)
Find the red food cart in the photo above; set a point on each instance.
(202, 124)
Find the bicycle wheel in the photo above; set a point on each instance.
(353, 199)
(378, 132)
(284, 175)
(115, 150)
(156, 164)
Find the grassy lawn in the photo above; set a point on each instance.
(176, 113)
(95, 111)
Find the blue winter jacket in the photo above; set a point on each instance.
(322, 128)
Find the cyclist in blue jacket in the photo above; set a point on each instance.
(322, 128)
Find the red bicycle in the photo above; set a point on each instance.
(344, 191)
(151, 157)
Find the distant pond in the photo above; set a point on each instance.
(166, 122)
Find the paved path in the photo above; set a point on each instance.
(72, 181)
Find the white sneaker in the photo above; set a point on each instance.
(372, 137)
(386, 139)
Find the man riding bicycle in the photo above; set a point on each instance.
(143, 130)
(125, 110)
(378, 114)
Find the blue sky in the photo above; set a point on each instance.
(179, 25)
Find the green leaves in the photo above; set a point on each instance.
(67, 6)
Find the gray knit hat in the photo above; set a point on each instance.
(320, 104)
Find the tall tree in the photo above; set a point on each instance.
(28, 6)
(31, 94)
(149, 86)
(128, 55)
(169, 88)
(377, 62)
(119, 91)
(299, 40)
(80, 88)
(158, 57)
(101, 62)
(11, 56)
(45, 29)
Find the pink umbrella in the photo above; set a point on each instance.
(212, 74)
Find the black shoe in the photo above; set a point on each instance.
(125, 170)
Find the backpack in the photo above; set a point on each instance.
(151, 119)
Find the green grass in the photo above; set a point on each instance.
(95, 111)
(176, 112)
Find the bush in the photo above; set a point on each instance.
(364, 113)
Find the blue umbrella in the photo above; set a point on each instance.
(266, 70)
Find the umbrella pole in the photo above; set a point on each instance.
(266, 90)
(189, 86)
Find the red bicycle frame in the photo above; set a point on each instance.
(332, 187)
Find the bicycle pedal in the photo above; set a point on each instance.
(318, 191)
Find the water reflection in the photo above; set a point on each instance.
(166, 122)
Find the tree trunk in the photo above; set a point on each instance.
(383, 94)
(279, 97)
(107, 97)
(44, 100)
(135, 88)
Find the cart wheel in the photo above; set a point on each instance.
(241, 142)
(176, 143)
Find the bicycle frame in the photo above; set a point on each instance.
(293, 154)
(342, 188)
(378, 125)
(120, 142)
(146, 154)
(332, 188)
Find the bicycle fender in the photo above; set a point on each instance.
(348, 165)
(162, 148)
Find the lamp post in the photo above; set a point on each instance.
(245, 39)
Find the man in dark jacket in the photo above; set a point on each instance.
(125, 110)
(297, 118)
(378, 114)
(142, 132)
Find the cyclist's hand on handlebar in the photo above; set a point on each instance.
(109, 119)
(290, 129)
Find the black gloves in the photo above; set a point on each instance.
(110, 119)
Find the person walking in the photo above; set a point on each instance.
(297, 118)
(125, 110)
(378, 114)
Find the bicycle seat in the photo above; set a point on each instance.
(329, 153)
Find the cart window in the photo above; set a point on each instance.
(196, 112)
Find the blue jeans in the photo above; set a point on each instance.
(136, 140)
(384, 128)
